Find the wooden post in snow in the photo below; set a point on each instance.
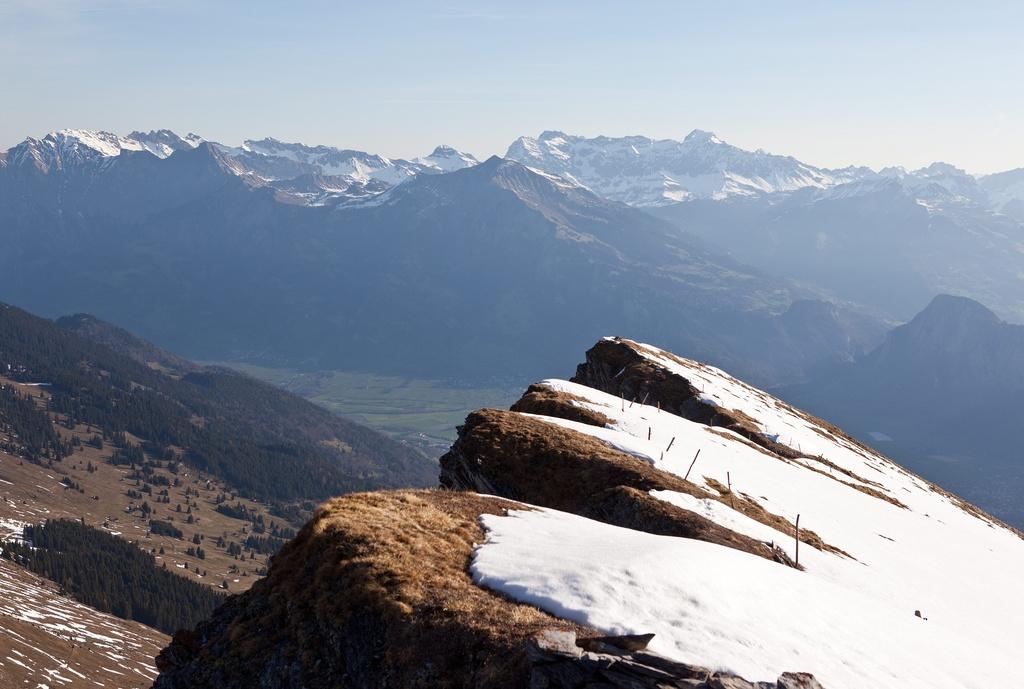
(648, 432)
(644, 400)
(670, 444)
(728, 480)
(798, 540)
(691, 464)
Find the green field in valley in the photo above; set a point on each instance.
(421, 412)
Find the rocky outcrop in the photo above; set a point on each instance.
(375, 592)
(530, 460)
(560, 661)
(614, 365)
(541, 400)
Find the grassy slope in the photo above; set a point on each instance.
(33, 493)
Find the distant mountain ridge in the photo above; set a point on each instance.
(945, 393)
(636, 170)
(442, 275)
(890, 242)
(303, 174)
(880, 239)
(68, 148)
(647, 172)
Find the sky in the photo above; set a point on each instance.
(831, 83)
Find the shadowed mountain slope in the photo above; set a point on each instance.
(442, 276)
(945, 393)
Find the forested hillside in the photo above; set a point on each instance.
(265, 442)
(112, 575)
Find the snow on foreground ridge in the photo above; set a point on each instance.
(849, 618)
(721, 608)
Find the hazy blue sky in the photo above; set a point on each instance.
(831, 83)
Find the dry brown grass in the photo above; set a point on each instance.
(867, 490)
(375, 585)
(33, 493)
(542, 400)
(528, 459)
(45, 636)
(339, 445)
(745, 505)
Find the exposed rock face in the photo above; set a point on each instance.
(542, 400)
(615, 367)
(559, 660)
(374, 592)
(527, 459)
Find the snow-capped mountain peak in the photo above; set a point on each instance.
(938, 183)
(649, 172)
(164, 142)
(69, 148)
(699, 136)
(275, 160)
(448, 159)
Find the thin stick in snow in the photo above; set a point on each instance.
(644, 400)
(670, 444)
(798, 540)
(691, 464)
(648, 432)
(728, 480)
(631, 401)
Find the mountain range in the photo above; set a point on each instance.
(442, 275)
(648, 172)
(890, 244)
(888, 240)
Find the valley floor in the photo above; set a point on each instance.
(422, 413)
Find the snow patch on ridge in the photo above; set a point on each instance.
(714, 606)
